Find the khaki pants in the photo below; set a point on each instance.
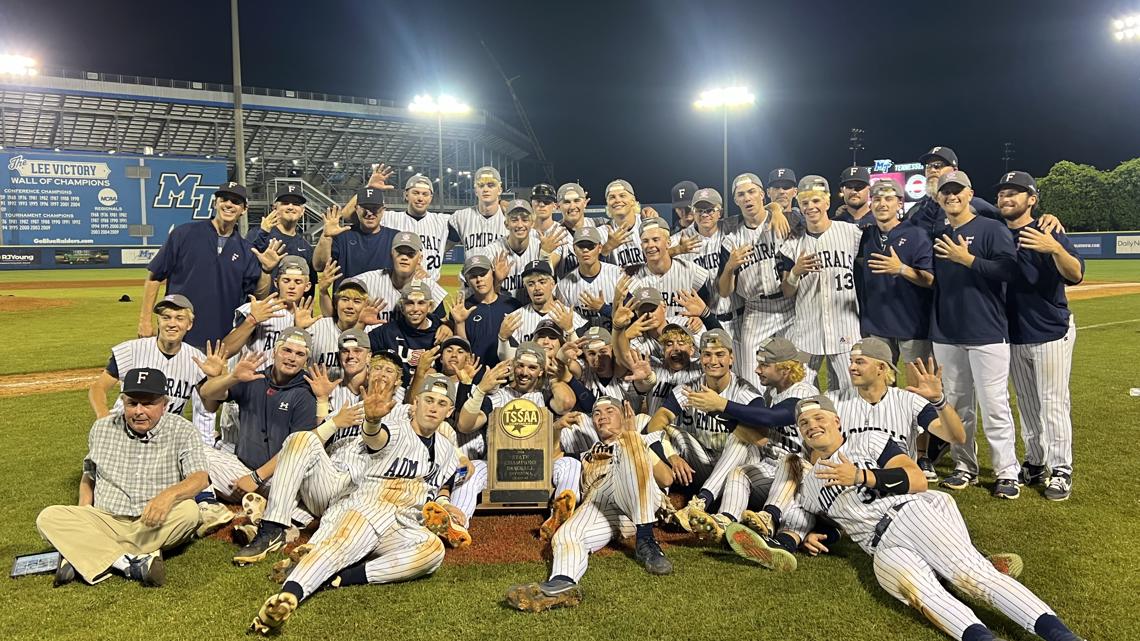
(92, 539)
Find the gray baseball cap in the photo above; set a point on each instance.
(518, 204)
(650, 224)
(887, 185)
(875, 348)
(531, 351)
(408, 239)
(811, 403)
(488, 172)
(777, 350)
(709, 196)
(548, 326)
(421, 181)
(438, 384)
(176, 301)
(476, 262)
(296, 335)
(716, 338)
(678, 327)
(619, 185)
(588, 234)
(744, 180)
(647, 296)
(814, 182)
(956, 177)
(292, 265)
(597, 337)
(607, 400)
(416, 290)
(353, 282)
(570, 191)
(353, 337)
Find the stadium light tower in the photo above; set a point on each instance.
(14, 65)
(443, 106)
(725, 98)
(1127, 28)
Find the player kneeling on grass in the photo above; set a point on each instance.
(136, 496)
(622, 479)
(876, 494)
(377, 534)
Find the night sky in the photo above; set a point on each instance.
(609, 86)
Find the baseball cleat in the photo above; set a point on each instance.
(561, 511)
(147, 569)
(959, 480)
(708, 528)
(253, 505)
(273, 613)
(64, 574)
(1031, 475)
(1007, 563)
(1059, 488)
(268, 539)
(928, 471)
(281, 570)
(759, 549)
(682, 515)
(244, 534)
(650, 556)
(538, 597)
(440, 523)
(1006, 489)
(758, 522)
(213, 516)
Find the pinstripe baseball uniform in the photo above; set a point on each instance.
(381, 288)
(613, 386)
(325, 333)
(914, 539)
(827, 307)
(182, 373)
(700, 437)
(516, 262)
(265, 335)
(667, 379)
(477, 233)
(766, 313)
(569, 261)
(625, 496)
(381, 518)
(1042, 333)
(571, 287)
(432, 230)
(708, 257)
(682, 275)
(901, 414)
(628, 254)
(530, 320)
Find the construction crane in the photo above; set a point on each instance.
(546, 168)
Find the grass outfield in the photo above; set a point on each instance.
(1080, 555)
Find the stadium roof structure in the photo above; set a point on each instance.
(330, 141)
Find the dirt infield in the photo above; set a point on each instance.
(74, 284)
(1093, 289)
(10, 303)
(45, 382)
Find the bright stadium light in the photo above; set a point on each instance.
(725, 98)
(1126, 28)
(13, 65)
(445, 105)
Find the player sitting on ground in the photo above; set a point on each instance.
(877, 495)
(622, 480)
(376, 535)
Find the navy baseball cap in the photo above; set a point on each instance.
(944, 154)
(291, 193)
(232, 188)
(855, 175)
(544, 193)
(144, 381)
(370, 196)
(390, 355)
(1018, 180)
(548, 326)
(538, 267)
(455, 340)
(782, 177)
(683, 193)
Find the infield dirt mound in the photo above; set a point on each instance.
(64, 380)
(10, 303)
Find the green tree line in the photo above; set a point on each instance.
(1088, 199)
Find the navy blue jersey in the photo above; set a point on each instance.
(295, 245)
(407, 341)
(356, 252)
(969, 302)
(483, 324)
(928, 215)
(1035, 302)
(215, 282)
(891, 306)
(267, 413)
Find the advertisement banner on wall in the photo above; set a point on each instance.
(65, 199)
(1129, 245)
(1087, 246)
(140, 256)
(11, 256)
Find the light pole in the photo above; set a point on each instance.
(427, 104)
(1126, 28)
(1007, 152)
(16, 65)
(239, 128)
(724, 98)
(856, 146)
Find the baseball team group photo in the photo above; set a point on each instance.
(281, 363)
